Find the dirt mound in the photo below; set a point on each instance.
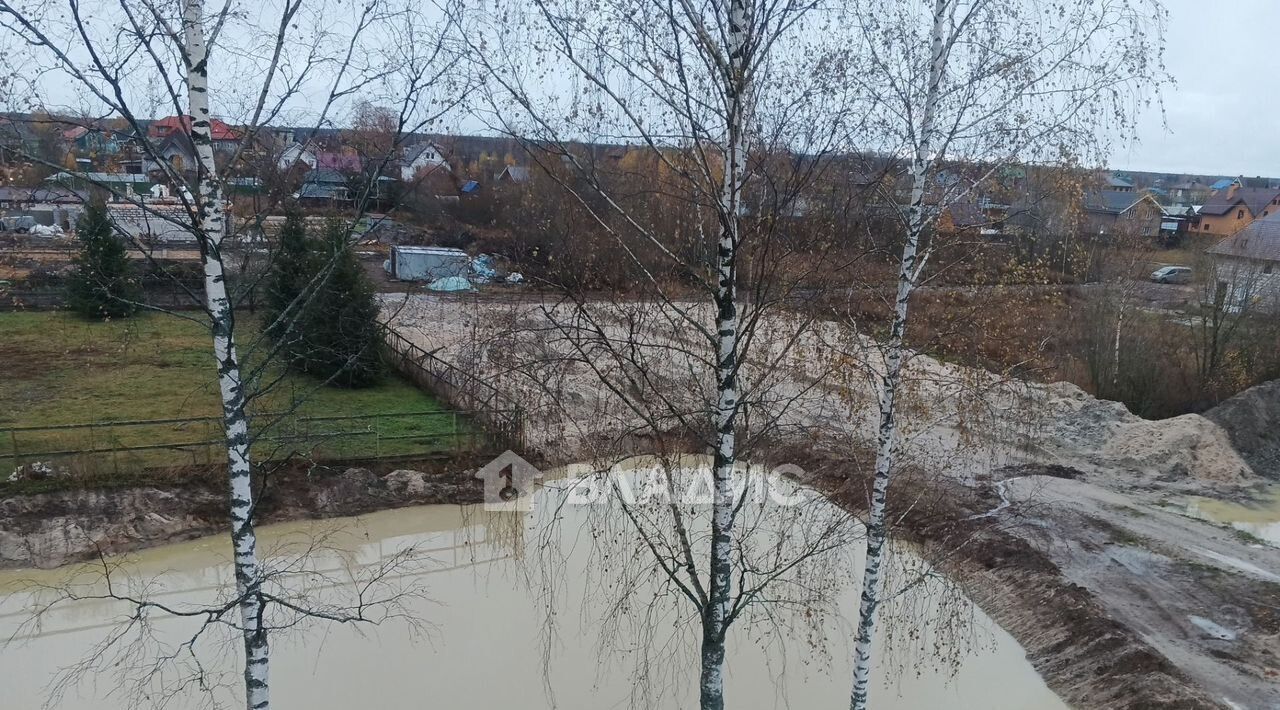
(1106, 434)
(1186, 445)
(1252, 420)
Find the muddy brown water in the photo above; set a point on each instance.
(1259, 518)
(477, 636)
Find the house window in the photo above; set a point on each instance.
(1267, 269)
(1239, 214)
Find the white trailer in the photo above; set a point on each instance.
(409, 263)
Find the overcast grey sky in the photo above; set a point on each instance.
(1223, 112)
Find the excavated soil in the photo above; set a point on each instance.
(1108, 629)
(1087, 656)
(52, 529)
(549, 357)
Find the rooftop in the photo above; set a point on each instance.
(1255, 198)
(218, 130)
(101, 177)
(1260, 241)
(1112, 201)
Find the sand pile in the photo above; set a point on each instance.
(1106, 435)
(1252, 420)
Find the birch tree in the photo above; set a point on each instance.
(988, 82)
(709, 92)
(129, 58)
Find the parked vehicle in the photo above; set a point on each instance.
(1172, 275)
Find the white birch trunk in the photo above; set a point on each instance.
(212, 229)
(1115, 348)
(891, 381)
(715, 614)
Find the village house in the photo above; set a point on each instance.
(305, 153)
(90, 147)
(1121, 213)
(223, 136)
(417, 160)
(347, 162)
(1175, 221)
(174, 150)
(1233, 208)
(323, 186)
(1119, 183)
(513, 173)
(1247, 267)
(1190, 192)
(171, 141)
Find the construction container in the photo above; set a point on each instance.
(409, 263)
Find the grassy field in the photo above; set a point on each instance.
(58, 369)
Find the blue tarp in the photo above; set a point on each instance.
(450, 283)
(482, 266)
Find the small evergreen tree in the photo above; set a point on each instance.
(101, 286)
(341, 333)
(292, 268)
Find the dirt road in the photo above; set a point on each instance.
(1202, 596)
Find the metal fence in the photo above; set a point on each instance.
(500, 416)
(49, 292)
(132, 446)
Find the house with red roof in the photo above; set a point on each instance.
(219, 131)
(170, 139)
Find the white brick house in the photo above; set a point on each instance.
(1247, 266)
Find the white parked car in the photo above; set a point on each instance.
(1172, 275)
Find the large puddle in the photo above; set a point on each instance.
(558, 608)
(1258, 519)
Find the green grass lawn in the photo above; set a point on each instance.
(56, 368)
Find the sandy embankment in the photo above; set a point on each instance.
(551, 357)
(1154, 576)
